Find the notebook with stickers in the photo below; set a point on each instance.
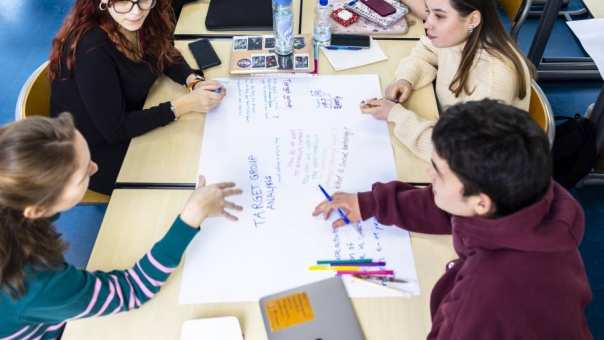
(320, 310)
(256, 54)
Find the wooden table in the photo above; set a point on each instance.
(137, 218)
(595, 7)
(416, 26)
(193, 17)
(170, 154)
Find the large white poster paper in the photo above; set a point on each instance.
(278, 138)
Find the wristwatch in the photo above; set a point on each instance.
(198, 78)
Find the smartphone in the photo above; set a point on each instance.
(350, 40)
(381, 7)
(204, 54)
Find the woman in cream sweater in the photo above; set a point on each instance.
(471, 57)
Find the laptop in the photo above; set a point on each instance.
(317, 311)
(240, 15)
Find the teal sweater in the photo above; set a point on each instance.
(55, 297)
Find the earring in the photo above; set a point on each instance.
(470, 29)
(102, 6)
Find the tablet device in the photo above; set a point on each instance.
(240, 15)
(320, 310)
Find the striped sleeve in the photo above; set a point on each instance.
(73, 293)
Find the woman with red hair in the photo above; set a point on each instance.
(104, 60)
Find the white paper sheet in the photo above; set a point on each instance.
(590, 33)
(345, 59)
(278, 138)
(221, 328)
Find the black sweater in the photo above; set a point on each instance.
(105, 93)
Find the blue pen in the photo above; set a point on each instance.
(218, 90)
(340, 210)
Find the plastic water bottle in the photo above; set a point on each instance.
(322, 30)
(283, 27)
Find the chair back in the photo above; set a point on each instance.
(541, 111)
(34, 97)
(34, 100)
(517, 11)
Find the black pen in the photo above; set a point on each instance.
(392, 100)
(381, 279)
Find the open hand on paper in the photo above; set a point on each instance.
(210, 201)
(348, 202)
(399, 91)
(378, 108)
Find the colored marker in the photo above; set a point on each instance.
(381, 279)
(218, 90)
(315, 51)
(372, 264)
(339, 262)
(360, 264)
(338, 268)
(347, 48)
(367, 272)
(340, 210)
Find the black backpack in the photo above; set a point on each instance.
(574, 150)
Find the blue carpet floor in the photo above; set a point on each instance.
(26, 31)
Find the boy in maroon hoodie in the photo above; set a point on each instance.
(519, 274)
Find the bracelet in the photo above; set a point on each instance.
(173, 109)
(198, 79)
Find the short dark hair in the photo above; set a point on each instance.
(497, 150)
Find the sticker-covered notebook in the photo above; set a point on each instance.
(256, 54)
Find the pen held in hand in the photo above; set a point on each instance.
(367, 103)
(340, 210)
(218, 90)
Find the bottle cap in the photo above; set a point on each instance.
(323, 2)
(283, 2)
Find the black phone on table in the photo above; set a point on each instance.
(204, 54)
(350, 40)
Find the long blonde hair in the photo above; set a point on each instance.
(37, 158)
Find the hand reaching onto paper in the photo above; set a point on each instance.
(378, 108)
(209, 201)
(346, 201)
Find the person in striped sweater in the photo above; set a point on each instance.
(45, 167)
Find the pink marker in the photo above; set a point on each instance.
(367, 272)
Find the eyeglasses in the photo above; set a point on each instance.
(125, 6)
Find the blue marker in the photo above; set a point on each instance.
(340, 210)
(218, 90)
(348, 48)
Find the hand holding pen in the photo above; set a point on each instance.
(346, 204)
(398, 91)
(378, 108)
